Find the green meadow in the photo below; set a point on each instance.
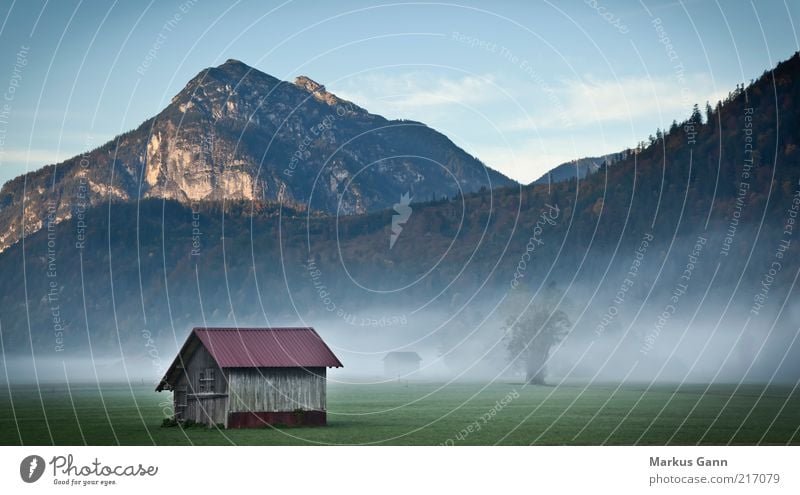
(424, 414)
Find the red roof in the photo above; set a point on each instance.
(267, 347)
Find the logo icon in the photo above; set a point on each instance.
(403, 209)
(31, 468)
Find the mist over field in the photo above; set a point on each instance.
(640, 334)
(642, 308)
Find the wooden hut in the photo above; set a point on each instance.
(400, 364)
(250, 377)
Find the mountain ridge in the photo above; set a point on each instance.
(236, 133)
(579, 167)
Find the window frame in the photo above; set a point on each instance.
(206, 379)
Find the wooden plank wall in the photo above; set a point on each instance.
(199, 361)
(276, 389)
(208, 410)
(203, 408)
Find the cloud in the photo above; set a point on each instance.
(570, 103)
(593, 101)
(400, 95)
(538, 126)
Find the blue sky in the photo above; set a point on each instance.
(522, 85)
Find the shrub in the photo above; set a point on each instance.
(169, 422)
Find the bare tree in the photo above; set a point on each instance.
(533, 333)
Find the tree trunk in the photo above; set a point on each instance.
(536, 368)
(535, 376)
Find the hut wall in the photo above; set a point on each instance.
(208, 410)
(276, 389)
(206, 399)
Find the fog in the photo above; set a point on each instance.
(685, 315)
(701, 342)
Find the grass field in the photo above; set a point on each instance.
(424, 414)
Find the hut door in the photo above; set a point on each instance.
(180, 403)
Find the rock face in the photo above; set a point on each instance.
(234, 133)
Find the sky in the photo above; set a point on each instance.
(522, 85)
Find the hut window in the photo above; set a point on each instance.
(206, 380)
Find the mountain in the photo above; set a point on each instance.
(235, 133)
(695, 222)
(579, 168)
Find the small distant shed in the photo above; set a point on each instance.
(398, 363)
(251, 377)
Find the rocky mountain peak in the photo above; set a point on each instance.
(235, 133)
(233, 68)
(225, 81)
(232, 62)
(319, 92)
(309, 84)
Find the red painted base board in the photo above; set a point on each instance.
(283, 418)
